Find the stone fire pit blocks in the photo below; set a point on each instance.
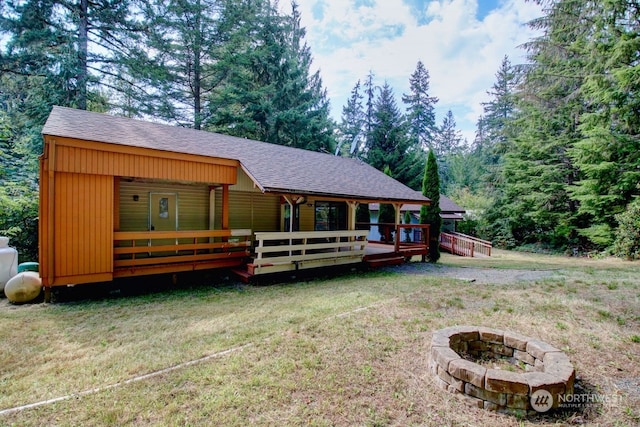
(548, 372)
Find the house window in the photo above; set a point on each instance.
(331, 216)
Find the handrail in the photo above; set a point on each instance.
(460, 244)
(475, 239)
(281, 251)
(141, 235)
(144, 248)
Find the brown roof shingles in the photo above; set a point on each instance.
(275, 168)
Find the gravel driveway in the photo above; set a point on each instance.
(473, 274)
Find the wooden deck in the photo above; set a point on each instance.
(157, 252)
(251, 254)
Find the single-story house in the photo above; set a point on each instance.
(123, 197)
(450, 213)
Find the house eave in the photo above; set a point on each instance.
(349, 197)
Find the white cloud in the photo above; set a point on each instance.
(461, 52)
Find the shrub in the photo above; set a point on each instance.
(627, 236)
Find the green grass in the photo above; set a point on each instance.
(349, 350)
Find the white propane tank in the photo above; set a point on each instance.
(8, 262)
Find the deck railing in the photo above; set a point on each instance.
(462, 244)
(409, 239)
(151, 250)
(290, 251)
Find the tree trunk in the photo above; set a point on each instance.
(83, 27)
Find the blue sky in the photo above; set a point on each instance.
(461, 43)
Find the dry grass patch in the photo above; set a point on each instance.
(345, 351)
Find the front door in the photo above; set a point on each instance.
(163, 215)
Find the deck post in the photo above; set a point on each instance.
(397, 207)
(225, 206)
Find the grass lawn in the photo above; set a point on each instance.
(350, 350)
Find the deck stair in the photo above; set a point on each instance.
(464, 245)
(383, 259)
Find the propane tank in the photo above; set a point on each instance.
(8, 262)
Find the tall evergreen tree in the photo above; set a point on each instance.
(369, 111)
(177, 63)
(269, 92)
(448, 145)
(499, 111)
(387, 216)
(389, 144)
(608, 156)
(448, 138)
(352, 138)
(70, 43)
(431, 214)
(533, 205)
(420, 108)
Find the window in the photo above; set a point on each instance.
(331, 216)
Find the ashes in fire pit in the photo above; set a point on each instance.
(543, 372)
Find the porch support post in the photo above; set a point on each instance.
(351, 214)
(397, 207)
(212, 208)
(225, 206)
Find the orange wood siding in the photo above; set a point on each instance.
(142, 163)
(80, 200)
(44, 239)
(82, 228)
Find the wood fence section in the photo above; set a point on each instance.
(291, 251)
(155, 252)
(464, 245)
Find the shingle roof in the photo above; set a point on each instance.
(274, 168)
(447, 207)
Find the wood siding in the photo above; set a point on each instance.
(82, 228)
(193, 204)
(86, 195)
(95, 158)
(252, 210)
(308, 216)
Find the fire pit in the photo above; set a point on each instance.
(533, 376)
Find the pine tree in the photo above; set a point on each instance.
(370, 94)
(532, 202)
(352, 124)
(71, 44)
(177, 63)
(499, 110)
(269, 92)
(430, 214)
(389, 144)
(420, 108)
(387, 216)
(448, 146)
(608, 156)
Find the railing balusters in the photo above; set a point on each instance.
(461, 244)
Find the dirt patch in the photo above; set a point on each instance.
(472, 274)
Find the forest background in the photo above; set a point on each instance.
(554, 165)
